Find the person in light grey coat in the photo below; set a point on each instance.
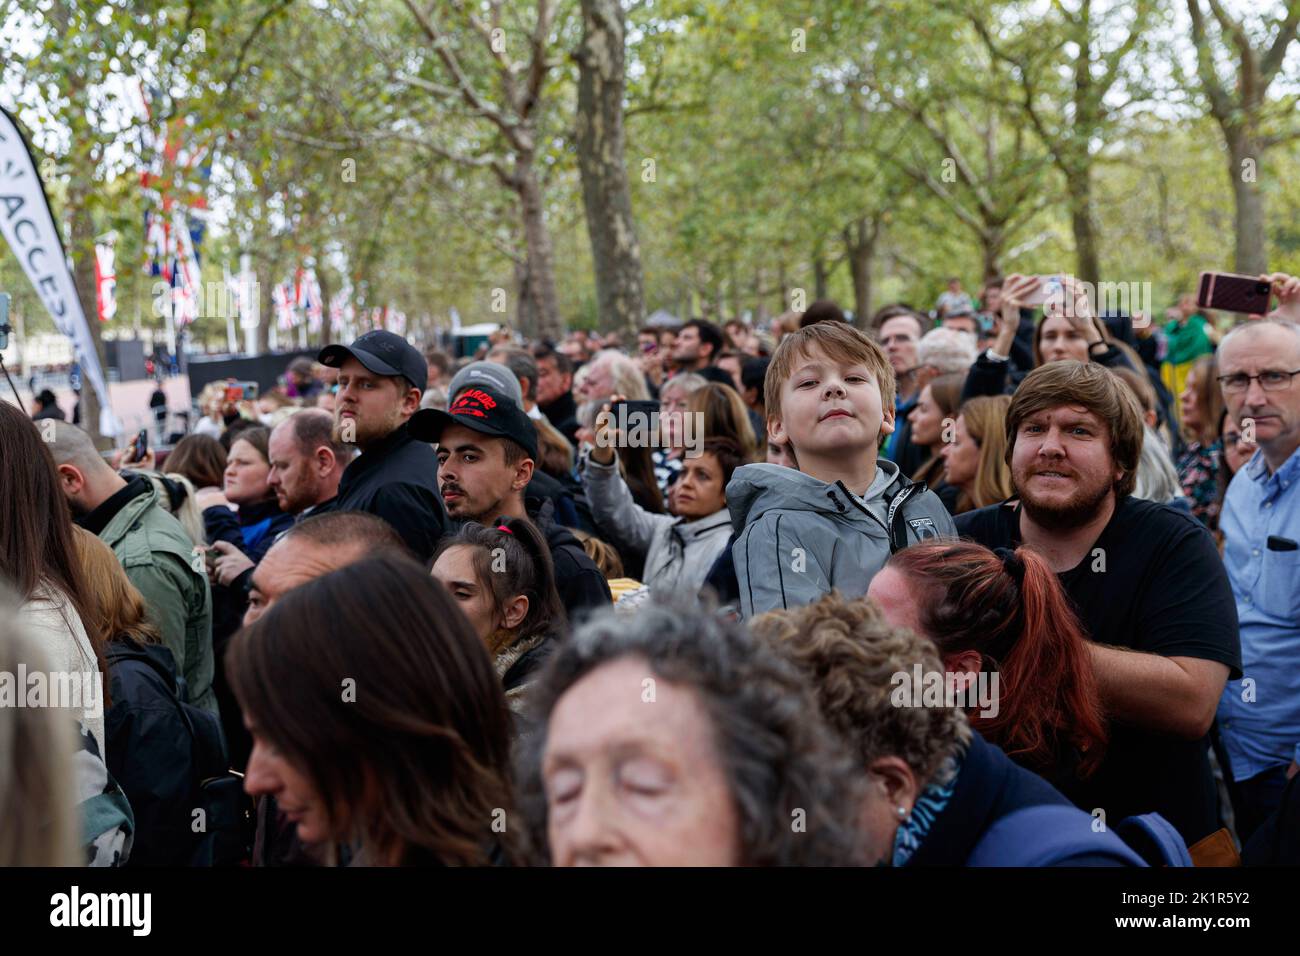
(679, 548)
(799, 537)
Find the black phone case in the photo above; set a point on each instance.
(1233, 293)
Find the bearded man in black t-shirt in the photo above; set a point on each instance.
(1145, 579)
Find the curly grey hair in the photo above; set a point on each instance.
(777, 754)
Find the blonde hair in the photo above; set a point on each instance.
(850, 654)
(186, 511)
(554, 453)
(602, 553)
(116, 606)
(725, 416)
(688, 383)
(985, 419)
(38, 816)
(840, 342)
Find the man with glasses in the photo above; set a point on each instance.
(899, 330)
(1259, 715)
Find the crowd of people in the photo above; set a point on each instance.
(992, 585)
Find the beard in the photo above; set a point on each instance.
(466, 508)
(362, 431)
(1074, 512)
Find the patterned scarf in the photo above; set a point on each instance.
(932, 802)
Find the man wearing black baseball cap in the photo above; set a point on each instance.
(487, 447)
(395, 477)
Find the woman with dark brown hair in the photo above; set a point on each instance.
(201, 459)
(377, 718)
(1007, 614)
(38, 556)
(504, 581)
(1067, 330)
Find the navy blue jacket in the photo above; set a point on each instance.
(989, 787)
(152, 753)
(396, 479)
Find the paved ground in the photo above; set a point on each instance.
(130, 402)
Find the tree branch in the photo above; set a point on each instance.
(1276, 54)
(508, 126)
(244, 47)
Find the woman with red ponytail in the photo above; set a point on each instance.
(1007, 613)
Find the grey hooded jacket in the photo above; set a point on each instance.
(678, 553)
(798, 537)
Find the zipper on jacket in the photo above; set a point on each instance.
(865, 510)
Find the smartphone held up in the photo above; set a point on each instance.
(1228, 292)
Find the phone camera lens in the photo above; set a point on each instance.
(1262, 287)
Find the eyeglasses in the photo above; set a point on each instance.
(1269, 381)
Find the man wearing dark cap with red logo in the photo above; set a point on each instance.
(487, 447)
(395, 477)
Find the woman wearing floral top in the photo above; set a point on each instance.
(1201, 407)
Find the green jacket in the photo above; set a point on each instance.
(1187, 342)
(162, 563)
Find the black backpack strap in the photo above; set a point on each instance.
(894, 516)
(118, 651)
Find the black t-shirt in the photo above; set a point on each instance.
(1153, 581)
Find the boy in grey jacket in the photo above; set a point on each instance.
(829, 396)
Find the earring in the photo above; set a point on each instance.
(902, 813)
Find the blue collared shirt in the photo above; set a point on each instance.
(1259, 715)
(901, 411)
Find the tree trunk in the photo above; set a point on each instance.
(1087, 263)
(821, 276)
(991, 243)
(325, 337)
(616, 254)
(525, 307)
(1251, 236)
(860, 248)
(265, 311)
(544, 307)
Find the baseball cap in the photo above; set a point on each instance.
(382, 352)
(489, 375)
(484, 410)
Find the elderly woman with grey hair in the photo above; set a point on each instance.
(673, 738)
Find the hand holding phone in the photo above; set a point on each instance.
(1048, 287)
(1287, 289)
(139, 446)
(1228, 292)
(607, 435)
(241, 392)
